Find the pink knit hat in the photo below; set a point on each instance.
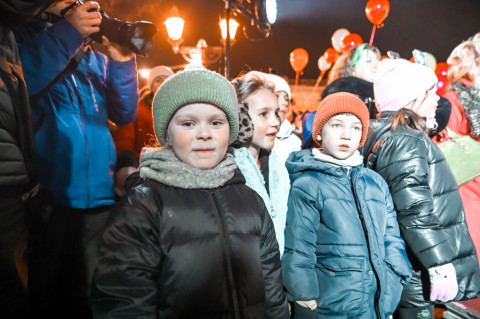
(398, 82)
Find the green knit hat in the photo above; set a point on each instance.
(193, 86)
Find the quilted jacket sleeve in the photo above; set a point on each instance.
(299, 258)
(403, 162)
(129, 262)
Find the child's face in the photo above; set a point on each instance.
(198, 134)
(283, 103)
(366, 67)
(263, 109)
(157, 82)
(426, 105)
(341, 136)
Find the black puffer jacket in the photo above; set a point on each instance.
(16, 139)
(429, 207)
(190, 253)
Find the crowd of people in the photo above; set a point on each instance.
(205, 202)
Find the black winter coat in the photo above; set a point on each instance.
(16, 139)
(190, 253)
(429, 208)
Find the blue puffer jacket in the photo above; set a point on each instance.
(342, 248)
(74, 151)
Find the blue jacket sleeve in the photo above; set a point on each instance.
(298, 260)
(47, 52)
(122, 91)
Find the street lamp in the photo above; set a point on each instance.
(201, 54)
(232, 26)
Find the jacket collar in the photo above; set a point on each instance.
(285, 130)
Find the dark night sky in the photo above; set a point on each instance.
(434, 26)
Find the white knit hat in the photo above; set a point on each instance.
(157, 71)
(280, 84)
(398, 82)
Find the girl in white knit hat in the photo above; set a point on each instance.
(286, 141)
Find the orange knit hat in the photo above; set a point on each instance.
(338, 103)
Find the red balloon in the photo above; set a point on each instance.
(331, 55)
(350, 41)
(384, 57)
(377, 10)
(441, 69)
(298, 59)
(412, 59)
(442, 84)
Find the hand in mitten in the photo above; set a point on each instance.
(310, 304)
(443, 282)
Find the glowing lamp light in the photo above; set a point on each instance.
(233, 26)
(174, 27)
(271, 10)
(144, 73)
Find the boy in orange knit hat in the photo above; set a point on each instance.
(343, 256)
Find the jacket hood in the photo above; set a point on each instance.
(303, 160)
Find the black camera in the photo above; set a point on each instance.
(137, 36)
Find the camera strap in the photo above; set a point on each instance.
(50, 17)
(72, 65)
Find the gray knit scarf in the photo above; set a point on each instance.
(163, 166)
(469, 96)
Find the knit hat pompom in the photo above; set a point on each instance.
(157, 71)
(338, 103)
(197, 85)
(398, 82)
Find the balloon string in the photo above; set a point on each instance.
(373, 35)
(319, 79)
(296, 83)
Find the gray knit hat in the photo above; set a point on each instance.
(194, 86)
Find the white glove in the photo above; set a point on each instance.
(443, 281)
(310, 304)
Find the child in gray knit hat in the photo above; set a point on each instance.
(191, 240)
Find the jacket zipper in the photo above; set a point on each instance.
(360, 214)
(228, 258)
(82, 112)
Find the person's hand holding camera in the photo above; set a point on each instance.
(85, 18)
(117, 52)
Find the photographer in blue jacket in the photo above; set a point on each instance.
(74, 91)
